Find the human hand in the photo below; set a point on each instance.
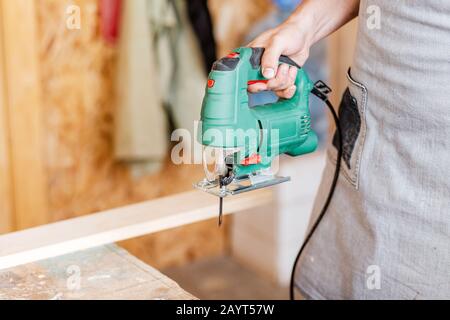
(287, 39)
(312, 21)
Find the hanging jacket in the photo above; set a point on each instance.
(179, 61)
(160, 80)
(140, 122)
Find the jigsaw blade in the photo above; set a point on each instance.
(220, 202)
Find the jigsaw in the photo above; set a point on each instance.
(240, 142)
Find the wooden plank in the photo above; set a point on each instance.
(119, 224)
(6, 196)
(106, 272)
(25, 112)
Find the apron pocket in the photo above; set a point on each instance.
(353, 125)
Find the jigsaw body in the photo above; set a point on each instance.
(244, 141)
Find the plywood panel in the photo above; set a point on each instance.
(25, 111)
(6, 196)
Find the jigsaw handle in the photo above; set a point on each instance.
(257, 54)
(231, 61)
(255, 70)
(254, 75)
(255, 62)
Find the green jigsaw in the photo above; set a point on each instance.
(240, 142)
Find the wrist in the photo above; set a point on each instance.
(307, 22)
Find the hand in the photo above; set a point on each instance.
(312, 21)
(287, 39)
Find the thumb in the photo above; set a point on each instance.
(269, 61)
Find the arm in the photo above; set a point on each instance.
(312, 21)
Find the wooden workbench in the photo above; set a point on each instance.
(75, 258)
(106, 272)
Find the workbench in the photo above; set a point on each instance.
(106, 272)
(76, 258)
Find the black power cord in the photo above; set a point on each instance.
(321, 91)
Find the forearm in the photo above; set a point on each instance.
(324, 16)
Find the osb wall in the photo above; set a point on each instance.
(77, 80)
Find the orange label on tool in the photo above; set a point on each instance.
(254, 159)
(233, 55)
(256, 81)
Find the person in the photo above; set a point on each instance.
(386, 234)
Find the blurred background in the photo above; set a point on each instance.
(90, 91)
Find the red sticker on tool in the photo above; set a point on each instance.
(233, 55)
(254, 159)
(211, 83)
(251, 82)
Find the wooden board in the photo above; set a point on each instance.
(119, 224)
(6, 196)
(106, 272)
(25, 112)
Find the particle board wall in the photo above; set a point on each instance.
(68, 77)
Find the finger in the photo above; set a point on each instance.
(269, 61)
(292, 75)
(287, 93)
(288, 79)
(257, 87)
(281, 81)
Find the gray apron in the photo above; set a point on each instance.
(387, 232)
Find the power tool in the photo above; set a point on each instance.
(242, 142)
